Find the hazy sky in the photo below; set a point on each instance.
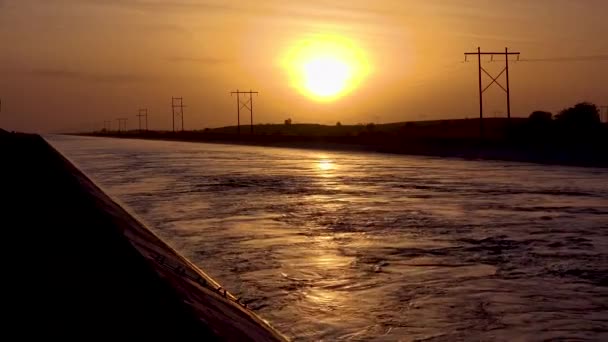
(71, 64)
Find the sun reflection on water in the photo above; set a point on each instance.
(350, 246)
(325, 165)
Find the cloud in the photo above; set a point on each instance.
(86, 76)
(296, 10)
(159, 5)
(198, 60)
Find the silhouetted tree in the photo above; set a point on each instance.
(579, 124)
(288, 122)
(538, 129)
(540, 117)
(338, 124)
(582, 115)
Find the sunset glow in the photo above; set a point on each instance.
(352, 61)
(348, 169)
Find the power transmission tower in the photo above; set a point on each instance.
(177, 108)
(143, 113)
(240, 104)
(107, 125)
(494, 80)
(122, 124)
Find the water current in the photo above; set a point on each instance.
(329, 245)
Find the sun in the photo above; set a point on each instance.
(325, 68)
(325, 76)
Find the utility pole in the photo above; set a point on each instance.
(246, 103)
(143, 113)
(238, 111)
(494, 80)
(122, 124)
(605, 114)
(177, 108)
(508, 89)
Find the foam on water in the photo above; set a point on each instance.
(359, 246)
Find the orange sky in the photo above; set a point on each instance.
(71, 64)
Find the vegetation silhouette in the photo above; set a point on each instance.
(574, 136)
(540, 118)
(580, 124)
(577, 126)
(583, 115)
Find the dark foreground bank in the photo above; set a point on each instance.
(77, 266)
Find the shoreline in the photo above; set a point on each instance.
(92, 266)
(458, 149)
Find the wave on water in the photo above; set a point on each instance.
(360, 246)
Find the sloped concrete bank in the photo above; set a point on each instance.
(79, 266)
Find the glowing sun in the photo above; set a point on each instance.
(325, 67)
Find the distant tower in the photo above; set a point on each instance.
(177, 108)
(245, 103)
(505, 71)
(143, 113)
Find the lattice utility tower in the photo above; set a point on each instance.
(143, 113)
(122, 124)
(177, 108)
(240, 104)
(107, 125)
(494, 80)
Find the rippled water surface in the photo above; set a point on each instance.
(358, 246)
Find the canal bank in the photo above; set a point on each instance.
(79, 266)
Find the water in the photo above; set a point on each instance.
(358, 246)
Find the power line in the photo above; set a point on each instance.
(589, 58)
(240, 104)
(506, 54)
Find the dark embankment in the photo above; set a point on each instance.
(77, 266)
(518, 140)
